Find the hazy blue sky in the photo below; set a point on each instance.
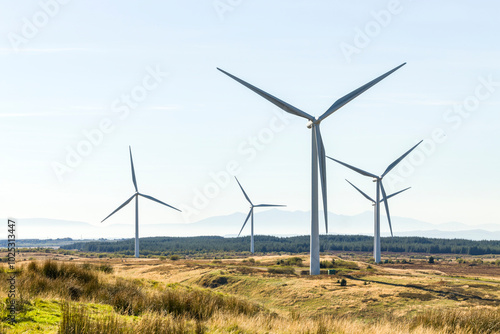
(143, 73)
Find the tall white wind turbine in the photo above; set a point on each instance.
(136, 196)
(318, 153)
(250, 214)
(380, 187)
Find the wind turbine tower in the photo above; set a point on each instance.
(250, 214)
(317, 155)
(379, 187)
(136, 196)
(376, 216)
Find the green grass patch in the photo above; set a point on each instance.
(38, 316)
(44, 316)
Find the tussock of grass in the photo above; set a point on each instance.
(129, 298)
(477, 320)
(82, 283)
(64, 280)
(78, 319)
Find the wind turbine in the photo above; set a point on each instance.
(380, 186)
(250, 213)
(376, 215)
(318, 153)
(136, 196)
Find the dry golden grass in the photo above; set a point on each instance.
(377, 299)
(265, 324)
(78, 319)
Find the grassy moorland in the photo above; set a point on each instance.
(75, 293)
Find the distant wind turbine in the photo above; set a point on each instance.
(380, 186)
(136, 196)
(250, 213)
(377, 216)
(318, 153)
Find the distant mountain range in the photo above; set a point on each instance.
(272, 222)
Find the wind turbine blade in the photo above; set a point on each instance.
(352, 95)
(158, 201)
(244, 193)
(322, 173)
(121, 206)
(362, 193)
(399, 192)
(360, 171)
(281, 104)
(386, 206)
(249, 213)
(391, 166)
(266, 205)
(133, 171)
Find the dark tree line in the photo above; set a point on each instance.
(38, 242)
(300, 244)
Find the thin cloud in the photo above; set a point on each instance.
(29, 114)
(46, 114)
(91, 108)
(7, 51)
(173, 107)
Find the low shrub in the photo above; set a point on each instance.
(327, 264)
(105, 268)
(292, 261)
(283, 271)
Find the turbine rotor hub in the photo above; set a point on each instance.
(312, 122)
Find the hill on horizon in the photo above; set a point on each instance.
(272, 222)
